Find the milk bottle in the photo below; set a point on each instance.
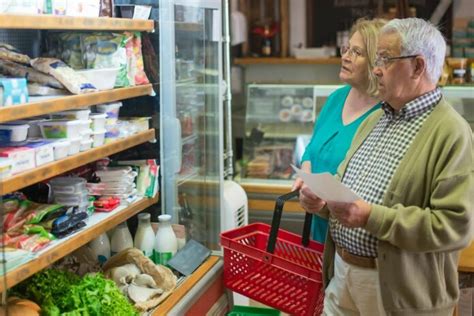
(166, 244)
(145, 237)
(101, 248)
(121, 239)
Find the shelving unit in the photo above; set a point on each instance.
(16, 112)
(51, 22)
(55, 168)
(96, 224)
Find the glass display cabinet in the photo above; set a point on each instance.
(278, 126)
(280, 120)
(191, 114)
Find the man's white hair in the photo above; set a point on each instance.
(420, 37)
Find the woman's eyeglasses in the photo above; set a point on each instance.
(383, 61)
(353, 52)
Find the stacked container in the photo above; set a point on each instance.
(71, 191)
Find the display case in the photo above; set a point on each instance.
(278, 126)
(280, 120)
(191, 114)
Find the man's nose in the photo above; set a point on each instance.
(377, 71)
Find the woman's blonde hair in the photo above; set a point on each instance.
(369, 30)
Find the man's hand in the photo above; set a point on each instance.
(355, 214)
(309, 201)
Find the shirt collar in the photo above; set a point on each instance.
(415, 107)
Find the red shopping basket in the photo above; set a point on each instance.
(275, 267)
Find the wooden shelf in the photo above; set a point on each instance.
(51, 22)
(96, 225)
(55, 168)
(165, 307)
(16, 112)
(287, 61)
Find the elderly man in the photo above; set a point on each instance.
(395, 251)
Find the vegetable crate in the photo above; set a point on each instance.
(275, 267)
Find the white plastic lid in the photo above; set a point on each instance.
(14, 126)
(164, 218)
(62, 143)
(101, 131)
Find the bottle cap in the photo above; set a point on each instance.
(164, 218)
(143, 216)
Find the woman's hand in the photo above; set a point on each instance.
(306, 167)
(309, 201)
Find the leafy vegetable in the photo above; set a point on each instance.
(62, 293)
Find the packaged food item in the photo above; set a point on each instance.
(21, 71)
(8, 52)
(106, 8)
(73, 81)
(136, 69)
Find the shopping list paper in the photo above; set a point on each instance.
(327, 187)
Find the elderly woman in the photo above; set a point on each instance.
(345, 109)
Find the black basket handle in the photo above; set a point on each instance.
(280, 202)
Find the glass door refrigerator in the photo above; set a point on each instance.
(191, 115)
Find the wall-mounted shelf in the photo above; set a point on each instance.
(16, 112)
(96, 225)
(287, 61)
(51, 22)
(55, 168)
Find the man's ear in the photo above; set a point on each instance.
(420, 67)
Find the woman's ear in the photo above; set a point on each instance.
(420, 67)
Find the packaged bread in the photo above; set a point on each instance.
(73, 81)
(8, 52)
(21, 71)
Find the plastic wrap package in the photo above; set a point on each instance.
(8, 52)
(21, 71)
(133, 47)
(73, 81)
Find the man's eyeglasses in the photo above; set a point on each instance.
(382, 61)
(352, 51)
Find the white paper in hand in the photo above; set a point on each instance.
(327, 187)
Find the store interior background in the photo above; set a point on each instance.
(276, 72)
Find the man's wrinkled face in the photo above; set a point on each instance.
(393, 74)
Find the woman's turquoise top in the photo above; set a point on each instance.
(328, 146)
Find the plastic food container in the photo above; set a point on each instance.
(6, 167)
(34, 131)
(75, 146)
(72, 115)
(13, 132)
(111, 109)
(98, 138)
(86, 144)
(102, 79)
(60, 128)
(61, 149)
(68, 185)
(71, 199)
(98, 121)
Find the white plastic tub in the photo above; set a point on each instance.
(98, 121)
(102, 79)
(86, 144)
(13, 132)
(111, 109)
(60, 129)
(75, 146)
(61, 149)
(72, 115)
(34, 131)
(98, 138)
(84, 126)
